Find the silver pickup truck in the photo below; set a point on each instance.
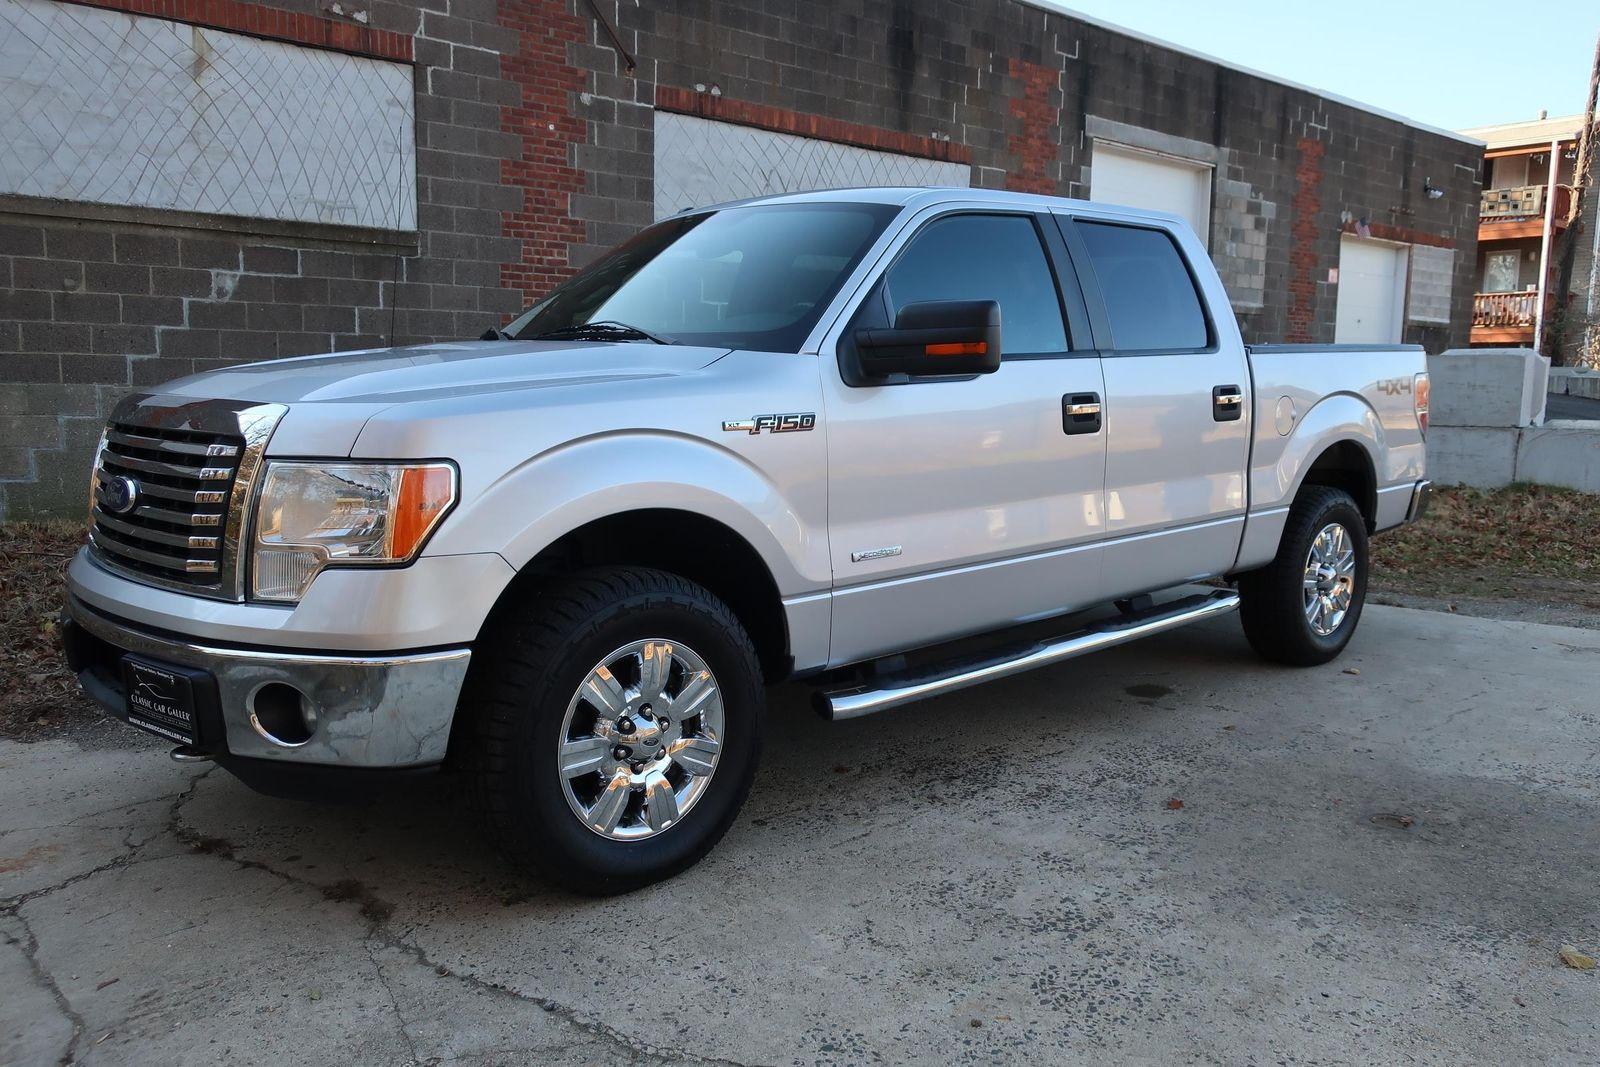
(893, 442)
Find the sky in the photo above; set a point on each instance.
(1448, 63)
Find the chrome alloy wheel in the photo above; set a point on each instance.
(641, 740)
(1330, 579)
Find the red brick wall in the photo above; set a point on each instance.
(1303, 233)
(542, 117)
(257, 20)
(1403, 234)
(1038, 114)
(783, 120)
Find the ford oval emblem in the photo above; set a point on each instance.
(119, 495)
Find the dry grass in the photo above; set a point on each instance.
(1506, 543)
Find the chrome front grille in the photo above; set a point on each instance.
(172, 487)
(182, 481)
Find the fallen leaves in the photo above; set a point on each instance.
(1174, 804)
(37, 693)
(1492, 544)
(1578, 961)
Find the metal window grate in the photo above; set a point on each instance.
(699, 162)
(110, 107)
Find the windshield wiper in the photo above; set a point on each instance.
(605, 330)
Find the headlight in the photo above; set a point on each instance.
(94, 476)
(316, 515)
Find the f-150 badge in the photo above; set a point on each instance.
(791, 423)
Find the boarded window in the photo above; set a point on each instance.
(700, 162)
(111, 108)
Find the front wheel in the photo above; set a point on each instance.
(1303, 607)
(617, 724)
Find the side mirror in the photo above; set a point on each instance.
(935, 337)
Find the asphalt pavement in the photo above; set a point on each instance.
(1559, 406)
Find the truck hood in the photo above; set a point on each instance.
(379, 377)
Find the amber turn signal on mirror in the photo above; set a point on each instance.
(968, 348)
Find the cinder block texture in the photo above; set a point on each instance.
(1488, 387)
(1432, 277)
(1476, 456)
(535, 150)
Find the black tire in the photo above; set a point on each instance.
(1271, 600)
(527, 672)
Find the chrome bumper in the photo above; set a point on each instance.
(370, 711)
(1420, 497)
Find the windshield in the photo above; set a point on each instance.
(756, 278)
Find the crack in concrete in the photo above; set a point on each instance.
(394, 1001)
(12, 907)
(571, 1016)
(47, 982)
(376, 913)
(373, 911)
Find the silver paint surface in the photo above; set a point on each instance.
(1000, 516)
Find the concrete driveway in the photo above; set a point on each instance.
(1368, 867)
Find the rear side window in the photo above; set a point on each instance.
(985, 257)
(1149, 293)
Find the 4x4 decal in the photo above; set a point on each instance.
(794, 422)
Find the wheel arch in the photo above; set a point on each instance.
(1338, 442)
(1346, 464)
(686, 543)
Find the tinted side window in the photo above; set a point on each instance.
(985, 257)
(1149, 293)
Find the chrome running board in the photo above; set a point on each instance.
(856, 700)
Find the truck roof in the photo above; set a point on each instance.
(927, 196)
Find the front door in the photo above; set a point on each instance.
(1177, 405)
(957, 505)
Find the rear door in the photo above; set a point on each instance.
(1177, 401)
(959, 504)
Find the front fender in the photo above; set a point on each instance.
(540, 500)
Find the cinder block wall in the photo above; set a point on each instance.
(1026, 89)
(91, 309)
(535, 150)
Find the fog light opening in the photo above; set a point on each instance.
(281, 714)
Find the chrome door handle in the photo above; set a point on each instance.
(1080, 413)
(1227, 403)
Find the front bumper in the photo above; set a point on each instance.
(390, 710)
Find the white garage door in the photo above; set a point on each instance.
(701, 162)
(1120, 175)
(1372, 278)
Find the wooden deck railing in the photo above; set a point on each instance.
(1503, 309)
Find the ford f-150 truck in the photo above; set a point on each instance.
(894, 442)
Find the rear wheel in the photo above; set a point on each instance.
(617, 724)
(1303, 607)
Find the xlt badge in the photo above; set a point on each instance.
(791, 423)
